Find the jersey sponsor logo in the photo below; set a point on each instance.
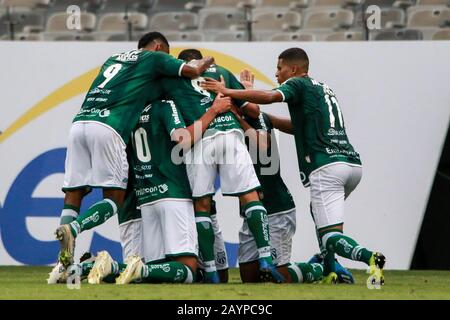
(104, 113)
(205, 100)
(342, 151)
(132, 55)
(92, 112)
(144, 118)
(162, 188)
(97, 90)
(334, 132)
(175, 115)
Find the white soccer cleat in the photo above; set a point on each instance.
(132, 272)
(101, 268)
(57, 275)
(67, 243)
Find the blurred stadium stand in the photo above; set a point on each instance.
(225, 20)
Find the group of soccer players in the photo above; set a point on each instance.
(154, 132)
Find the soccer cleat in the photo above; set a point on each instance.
(331, 278)
(101, 268)
(376, 265)
(211, 277)
(58, 274)
(269, 273)
(132, 272)
(344, 276)
(67, 243)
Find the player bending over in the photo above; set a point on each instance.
(221, 150)
(96, 156)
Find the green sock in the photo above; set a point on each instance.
(258, 223)
(305, 272)
(206, 240)
(347, 247)
(96, 215)
(168, 272)
(68, 214)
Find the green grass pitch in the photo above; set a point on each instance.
(30, 283)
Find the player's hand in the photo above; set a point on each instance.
(247, 79)
(222, 104)
(213, 85)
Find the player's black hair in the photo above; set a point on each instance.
(151, 36)
(295, 55)
(190, 54)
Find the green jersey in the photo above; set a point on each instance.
(156, 175)
(129, 210)
(193, 101)
(274, 193)
(318, 124)
(125, 83)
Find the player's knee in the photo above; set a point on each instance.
(203, 204)
(249, 197)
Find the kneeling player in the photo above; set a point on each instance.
(164, 197)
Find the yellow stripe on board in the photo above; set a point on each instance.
(71, 89)
(81, 84)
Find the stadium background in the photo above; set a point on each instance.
(396, 107)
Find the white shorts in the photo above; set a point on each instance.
(330, 186)
(131, 238)
(220, 251)
(227, 154)
(169, 230)
(281, 229)
(96, 157)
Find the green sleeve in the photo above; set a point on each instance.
(289, 90)
(170, 116)
(168, 65)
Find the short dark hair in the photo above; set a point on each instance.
(151, 36)
(190, 54)
(295, 55)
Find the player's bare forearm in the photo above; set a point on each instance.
(281, 123)
(196, 68)
(255, 96)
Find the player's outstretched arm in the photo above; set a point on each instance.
(255, 96)
(195, 68)
(281, 123)
(190, 135)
